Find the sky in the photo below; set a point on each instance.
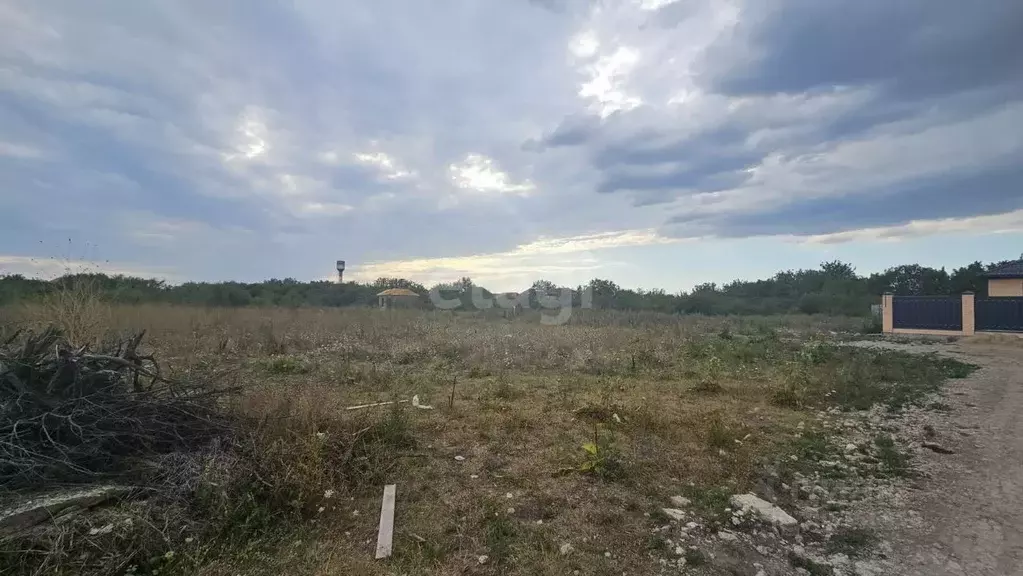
(655, 143)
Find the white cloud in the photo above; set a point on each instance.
(568, 260)
(480, 173)
(325, 209)
(20, 151)
(252, 138)
(606, 84)
(388, 167)
(584, 44)
(1007, 223)
(151, 229)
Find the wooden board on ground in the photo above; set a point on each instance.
(385, 535)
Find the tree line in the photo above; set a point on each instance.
(834, 288)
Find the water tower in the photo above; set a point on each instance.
(340, 271)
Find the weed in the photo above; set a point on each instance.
(500, 535)
(596, 413)
(895, 462)
(271, 343)
(504, 390)
(659, 516)
(794, 392)
(813, 445)
(815, 352)
(872, 325)
(787, 397)
(658, 543)
(602, 457)
(477, 371)
(707, 386)
(282, 365)
(719, 435)
(951, 368)
(77, 308)
(851, 541)
(695, 557)
(710, 502)
(857, 379)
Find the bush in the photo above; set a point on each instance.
(72, 416)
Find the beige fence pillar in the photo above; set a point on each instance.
(969, 316)
(887, 323)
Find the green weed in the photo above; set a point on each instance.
(851, 541)
(602, 458)
(285, 365)
(894, 462)
(695, 558)
(500, 534)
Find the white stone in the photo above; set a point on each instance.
(727, 536)
(104, 530)
(460, 458)
(838, 560)
(483, 559)
(765, 510)
(567, 549)
(674, 513)
(417, 404)
(850, 447)
(680, 502)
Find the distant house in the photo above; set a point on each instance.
(398, 298)
(1006, 280)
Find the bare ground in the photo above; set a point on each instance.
(965, 516)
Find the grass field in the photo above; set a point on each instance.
(538, 436)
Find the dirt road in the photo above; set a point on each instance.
(966, 516)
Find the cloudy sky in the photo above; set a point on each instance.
(656, 143)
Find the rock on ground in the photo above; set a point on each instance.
(765, 510)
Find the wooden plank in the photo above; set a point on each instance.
(375, 404)
(385, 535)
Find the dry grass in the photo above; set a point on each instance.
(678, 405)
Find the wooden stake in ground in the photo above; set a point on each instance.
(385, 535)
(451, 400)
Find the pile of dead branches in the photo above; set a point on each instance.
(74, 415)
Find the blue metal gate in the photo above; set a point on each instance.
(1002, 313)
(928, 312)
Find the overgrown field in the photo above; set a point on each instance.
(537, 436)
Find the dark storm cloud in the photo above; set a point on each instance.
(995, 191)
(913, 48)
